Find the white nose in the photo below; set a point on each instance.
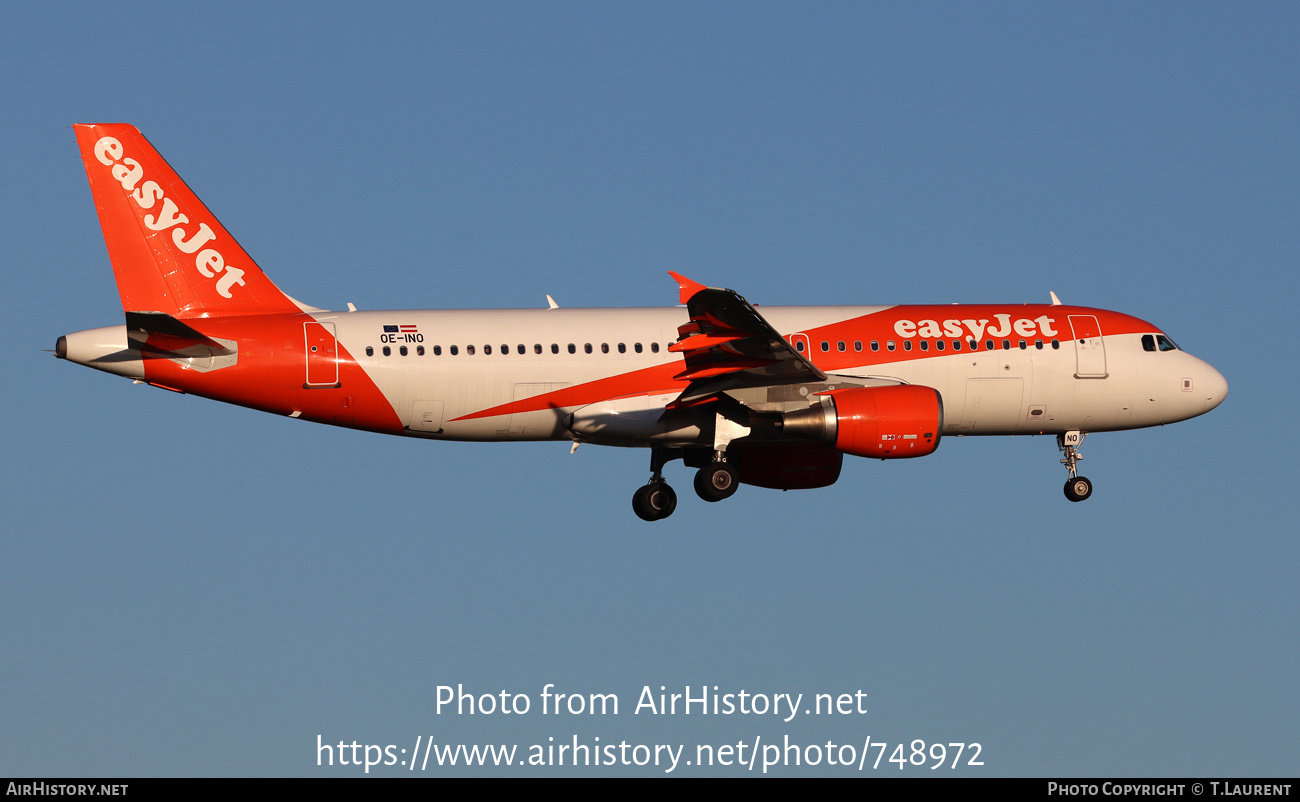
(1215, 387)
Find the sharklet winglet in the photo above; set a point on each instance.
(685, 287)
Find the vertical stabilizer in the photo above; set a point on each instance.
(169, 253)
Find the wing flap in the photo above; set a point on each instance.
(726, 344)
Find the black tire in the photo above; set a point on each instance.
(654, 501)
(716, 481)
(1078, 489)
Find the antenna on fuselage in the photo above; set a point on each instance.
(1055, 301)
(551, 302)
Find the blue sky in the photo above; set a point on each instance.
(195, 589)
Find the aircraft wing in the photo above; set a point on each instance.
(727, 345)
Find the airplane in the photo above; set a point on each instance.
(772, 398)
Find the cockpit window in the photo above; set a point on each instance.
(1157, 342)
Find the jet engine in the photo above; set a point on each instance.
(894, 422)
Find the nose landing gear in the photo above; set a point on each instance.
(1077, 488)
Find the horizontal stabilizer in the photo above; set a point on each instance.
(160, 333)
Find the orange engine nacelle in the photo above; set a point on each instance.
(894, 422)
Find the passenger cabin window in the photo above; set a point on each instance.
(487, 349)
(555, 348)
(654, 348)
(469, 350)
(586, 347)
(370, 350)
(798, 346)
(989, 345)
(454, 349)
(890, 345)
(402, 351)
(388, 351)
(1038, 344)
(840, 346)
(419, 350)
(637, 348)
(521, 349)
(437, 350)
(825, 346)
(622, 349)
(537, 348)
(857, 345)
(907, 345)
(604, 348)
(875, 345)
(1006, 345)
(573, 349)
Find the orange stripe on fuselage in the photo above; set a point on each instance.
(646, 381)
(271, 371)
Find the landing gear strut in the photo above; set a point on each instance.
(717, 479)
(655, 500)
(1077, 488)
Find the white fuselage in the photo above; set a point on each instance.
(985, 392)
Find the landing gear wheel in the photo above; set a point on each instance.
(1078, 489)
(654, 501)
(716, 481)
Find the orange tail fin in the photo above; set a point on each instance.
(169, 253)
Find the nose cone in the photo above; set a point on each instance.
(1215, 386)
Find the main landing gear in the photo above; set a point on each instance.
(715, 481)
(655, 500)
(1077, 488)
